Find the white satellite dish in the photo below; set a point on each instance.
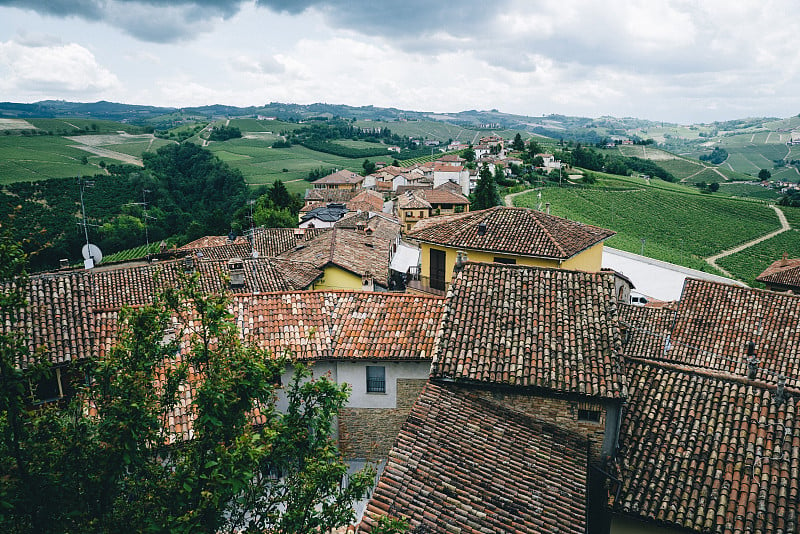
(91, 255)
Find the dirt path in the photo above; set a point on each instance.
(104, 152)
(712, 260)
(508, 200)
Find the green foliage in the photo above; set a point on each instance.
(390, 525)
(108, 463)
(486, 194)
(223, 133)
(518, 143)
(717, 156)
(764, 174)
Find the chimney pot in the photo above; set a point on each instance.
(482, 228)
(547, 208)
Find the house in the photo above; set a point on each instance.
(782, 275)
(505, 235)
(366, 201)
(546, 342)
(343, 179)
(323, 217)
(463, 464)
(350, 259)
(417, 204)
(444, 172)
(378, 343)
(453, 160)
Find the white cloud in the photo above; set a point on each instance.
(49, 71)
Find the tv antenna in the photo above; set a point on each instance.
(145, 217)
(252, 236)
(91, 253)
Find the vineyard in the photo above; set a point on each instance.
(132, 253)
(665, 224)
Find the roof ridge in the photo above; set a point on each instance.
(708, 373)
(553, 240)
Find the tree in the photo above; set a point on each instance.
(764, 174)
(713, 187)
(468, 154)
(518, 144)
(485, 194)
(369, 167)
(108, 463)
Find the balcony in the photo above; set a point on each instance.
(418, 283)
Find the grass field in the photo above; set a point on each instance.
(42, 157)
(749, 263)
(137, 148)
(72, 125)
(746, 190)
(677, 224)
(262, 164)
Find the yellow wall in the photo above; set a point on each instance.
(588, 260)
(336, 278)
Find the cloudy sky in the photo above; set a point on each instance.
(671, 60)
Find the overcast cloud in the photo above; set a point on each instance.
(672, 60)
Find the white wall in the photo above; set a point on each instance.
(355, 374)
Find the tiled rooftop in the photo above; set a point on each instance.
(58, 317)
(268, 242)
(708, 453)
(529, 327)
(645, 329)
(340, 177)
(352, 250)
(442, 195)
(341, 325)
(462, 464)
(784, 272)
(715, 323)
(366, 201)
(115, 288)
(520, 231)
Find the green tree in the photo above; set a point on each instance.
(468, 154)
(713, 187)
(485, 194)
(369, 167)
(764, 174)
(108, 463)
(518, 144)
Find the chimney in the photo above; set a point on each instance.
(784, 260)
(482, 228)
(236, 272)
(752, 361)
(188, 264)
(361, 226)
(780, 392)
(367, 282)
(299, 233)
(547, 208)
(231, 236)
(461, 259)
(63, 263)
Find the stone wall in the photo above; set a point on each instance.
(369, 433)
(559, 411)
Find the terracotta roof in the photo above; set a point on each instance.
(352, 250)
(412, 200)
(440, 195)
(451, 157)
(784, 272)
(366, 200)
(137, 285)
(450, 186)
(444, 167)
(708, 453)
(329, 195)
(341, 325)
(57, 317)
(715, 322)
(463, 464)
(638, 322)
(529, 327)
(269, 242)
(520, 231)
(341, 177)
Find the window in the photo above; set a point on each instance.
(409, 214)
(49, 388)
(592, 416)
(376, 379)
(507, 261)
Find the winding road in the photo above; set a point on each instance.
(712, 260)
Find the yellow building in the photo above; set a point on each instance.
(503, 235)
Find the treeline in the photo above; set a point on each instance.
(717, 156)
(344, 151)
(185, 191)
(592, 160)
(223, 133)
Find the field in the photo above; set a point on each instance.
(262, 164)
(674, 223)
(749, 190)
(42, 157)
(749, 263)
(137, 148)
(132, 253)
(73, 125)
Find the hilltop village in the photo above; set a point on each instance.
(501, 377)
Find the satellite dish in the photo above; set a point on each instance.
(91, 255)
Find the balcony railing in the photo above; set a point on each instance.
(425, 284)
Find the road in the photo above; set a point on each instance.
(712, 260)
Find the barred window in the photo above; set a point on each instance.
(376, 379)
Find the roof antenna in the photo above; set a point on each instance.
(752, 361)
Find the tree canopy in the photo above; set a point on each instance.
(486, 194)
(107, 461)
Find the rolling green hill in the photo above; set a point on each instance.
(674, 223)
